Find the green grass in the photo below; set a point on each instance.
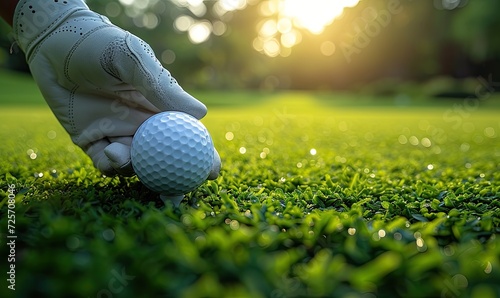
(329, 199)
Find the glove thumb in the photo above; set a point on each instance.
(112, 156)
(118, 155)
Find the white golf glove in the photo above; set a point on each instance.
(100, 81)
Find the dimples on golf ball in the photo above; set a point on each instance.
(172, 153)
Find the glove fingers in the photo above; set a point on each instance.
(100, 160)
(119, 157)
(134, 63)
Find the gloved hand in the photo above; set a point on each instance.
(100, 81)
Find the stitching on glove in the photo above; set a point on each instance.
(71, 115)
(20, 15)
(67, 61)
(75, 46)
(109, 56)
(155, 81)
(150, 51)
(137, 56)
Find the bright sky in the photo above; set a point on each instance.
(282, 19)
(313, 15)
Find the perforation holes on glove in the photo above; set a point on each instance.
(32, 10)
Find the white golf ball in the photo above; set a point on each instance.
(172, 153)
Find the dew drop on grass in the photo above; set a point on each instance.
(243, 150)
(72, 242)
(430, 166)
(464, 147)
(413, 140)
(419, 242)
(187, 220)
(200, 240)
(31, 153)
(340, 159)
(488, 268)
(234, 225)
(449, 250)
(51, 134)
(402, 140)
(489, 132)
(313, 151)
(229, 136)
(351, 231)
(108, 234)
(426, 142)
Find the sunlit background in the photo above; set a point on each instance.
(280, 22)
(315, 44)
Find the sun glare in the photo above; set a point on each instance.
(313, 15)
(281, 27)
(284, 20)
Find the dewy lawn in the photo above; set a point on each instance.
(320, 196)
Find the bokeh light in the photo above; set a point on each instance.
(283, 21)
(281, 28)
(200, 32)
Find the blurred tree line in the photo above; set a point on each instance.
(412, 40)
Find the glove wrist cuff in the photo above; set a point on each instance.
(34, 19)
